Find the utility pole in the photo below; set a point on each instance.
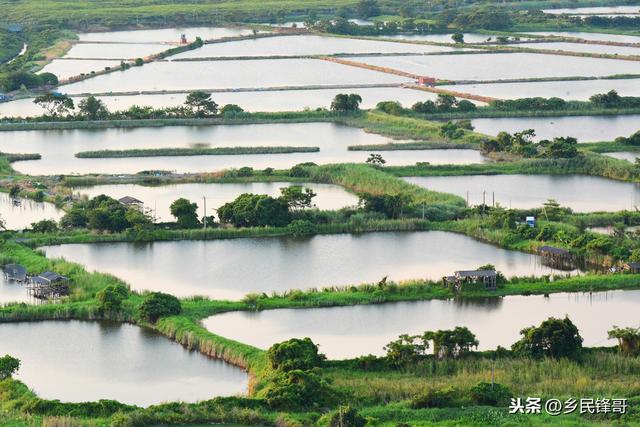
(493, 199)
(422, 210)
(467, 198)
(484, 193)
(204, 221)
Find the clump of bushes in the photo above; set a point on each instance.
(157, 305)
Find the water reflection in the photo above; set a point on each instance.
(345, 332)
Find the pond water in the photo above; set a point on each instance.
(159, 198)
(503, 66)
(65, 68)
(11, 291)
(585, 128)
(231, 74)
(592, 36)
(76, 361)
(305, 45)
(583, 47)
(58, 147)
(117, 51)
(285, 100)
(164, 34)
(20, 216)
(624, 155)
(445, 38)
(347, 332)
(233, 268)
(595, 10)
(575, 90)
(530, 191)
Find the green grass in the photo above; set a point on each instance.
(198, 151)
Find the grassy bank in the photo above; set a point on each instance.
(198, 151)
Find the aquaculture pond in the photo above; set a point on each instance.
(529, 191)
(443, 38)
(58, 148)
(158, 199)
(584, 128)
(11, 291)
(65, 68)
(232, 268)
(252, 101)
(574, 90)
(620, 38)
(282, 73)
(584, 47)
(305, 45)
(125, 51)
(164, 34)
(500, 66)
(624, 155)
(20, 213)
(347, 332)
(76, 361)
(595, 10)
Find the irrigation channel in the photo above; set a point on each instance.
(230, 269)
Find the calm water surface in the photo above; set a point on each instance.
(58, 148)
(285, 100)
(594, 10)
(444, 38)
(164, 34)
(233, 268)
(624, 155)
(346, 332)
(158, 199)
(529, 191)
(76, 361)
(20, 217)
(12, 292)
(118, 51)
(503, 66)
(592, 36)
(230, 74)
(65, 68)
(305, 45)
(591, 48)
(585, 128)
(576, 90)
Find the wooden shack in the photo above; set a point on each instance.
(557, 257)
(633, 267)
(465, 277)
(15, 272)
(131, 202)
(48, 285)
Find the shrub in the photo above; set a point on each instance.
(434, 398)
(298, 389)
(44, 226)
(490, 394)
(158, 304)
(346, 416)
(295, 354)
(553, 338)
(110, 297)
(8, 366)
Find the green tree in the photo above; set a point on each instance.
(367, 8)
(628, 340)
(346, 416)
(201, 104)
(375, 160)
(559, 148)
(445, 102)
(343, 102)
(392, 205)
(110, 298)
(554, 338)
(406, 349)
(54, 103)
(157, 305)
(451, 343)
(493, 394)
(8, 366)
(298, 389)
(297, 197)
(457, 37)
(255, 210)
(231, 109)
(44, 226)
(93, 109)
(295, 354)
(185, 212)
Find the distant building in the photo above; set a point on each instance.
(426, 81)
(531, 221)
(463, 277)
(633, 267)
(15, 272)
(48, 285)
(131, 202)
